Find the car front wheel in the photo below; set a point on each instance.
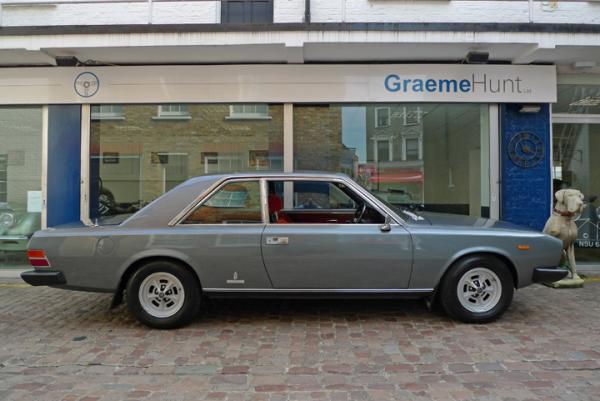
(163, 295)
(477, 289)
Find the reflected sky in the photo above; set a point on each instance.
(354, 130)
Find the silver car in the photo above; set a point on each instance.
(291, 235)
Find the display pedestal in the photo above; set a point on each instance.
(575, 282)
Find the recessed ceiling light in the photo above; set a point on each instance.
(530, 108)
(584, 64)
(589, 101)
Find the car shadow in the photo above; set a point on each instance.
(313, 309)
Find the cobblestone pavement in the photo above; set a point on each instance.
(59, 345)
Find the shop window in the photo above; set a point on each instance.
(382, 117)
(173, 112)
(235, 203)
(137, 160)
(249, 112)
(437, 159)
(20, 182)
(107, 112)
(575, 98)
(246, 11)
(575, 140)
(259, 159)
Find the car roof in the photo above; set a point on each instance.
(267, 174)
(163, 209)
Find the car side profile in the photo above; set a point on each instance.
(291, 235)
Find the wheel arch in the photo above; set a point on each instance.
(493, 253)
(137, 264)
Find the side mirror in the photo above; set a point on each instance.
(387, 224)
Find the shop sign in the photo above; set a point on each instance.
(280, 84)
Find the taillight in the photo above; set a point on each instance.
(37, 258)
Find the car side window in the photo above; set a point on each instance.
(317, 202)
(235, 203)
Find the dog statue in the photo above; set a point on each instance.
(561, 224)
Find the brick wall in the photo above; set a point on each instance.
(140, 139)
(318, 138)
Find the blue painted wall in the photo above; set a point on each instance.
(64, 164)
(525, 192)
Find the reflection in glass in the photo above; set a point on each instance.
(407, 154)
(577, 165)
(20, 182)
(578, 99)
(235, 203)
(150, 149)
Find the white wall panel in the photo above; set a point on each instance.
(419, 11)
(288, 11)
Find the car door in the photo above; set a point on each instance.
(333, 253)
(222, 236)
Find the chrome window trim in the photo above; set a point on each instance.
(361, 192)
(184, 214)
(264, 201)
(365, 194)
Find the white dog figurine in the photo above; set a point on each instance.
(569, 205)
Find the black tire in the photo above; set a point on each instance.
(450, 297)
(182, 312)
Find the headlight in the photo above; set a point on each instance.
(7, 219)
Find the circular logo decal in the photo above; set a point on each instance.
(87, 84)
(526, 149)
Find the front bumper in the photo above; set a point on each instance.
(37, 278)
(548, 274)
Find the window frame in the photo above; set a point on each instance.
(390, 155)
(247, 16)
(248, 116)
(110, 115)
(419, 139)
(208, 194)
(406, 110)
(360, 191)
(375, 205)
(389, 117)
(172, 115)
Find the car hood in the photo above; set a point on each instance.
(456, 220)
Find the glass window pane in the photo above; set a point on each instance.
(316, 202)
(20, 182)
(434, 155)
(578, 99)
(249, 111)
(235, 203)
(137, 158)
(576, 165)
(412, 148)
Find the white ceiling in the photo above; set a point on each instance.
(518, 53)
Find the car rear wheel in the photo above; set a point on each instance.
(163, 295)
(477, 289)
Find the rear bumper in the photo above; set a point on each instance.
(37, 278)
(548, 274)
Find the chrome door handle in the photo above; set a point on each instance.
(277, 240)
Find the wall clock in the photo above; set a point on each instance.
(525, 149)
